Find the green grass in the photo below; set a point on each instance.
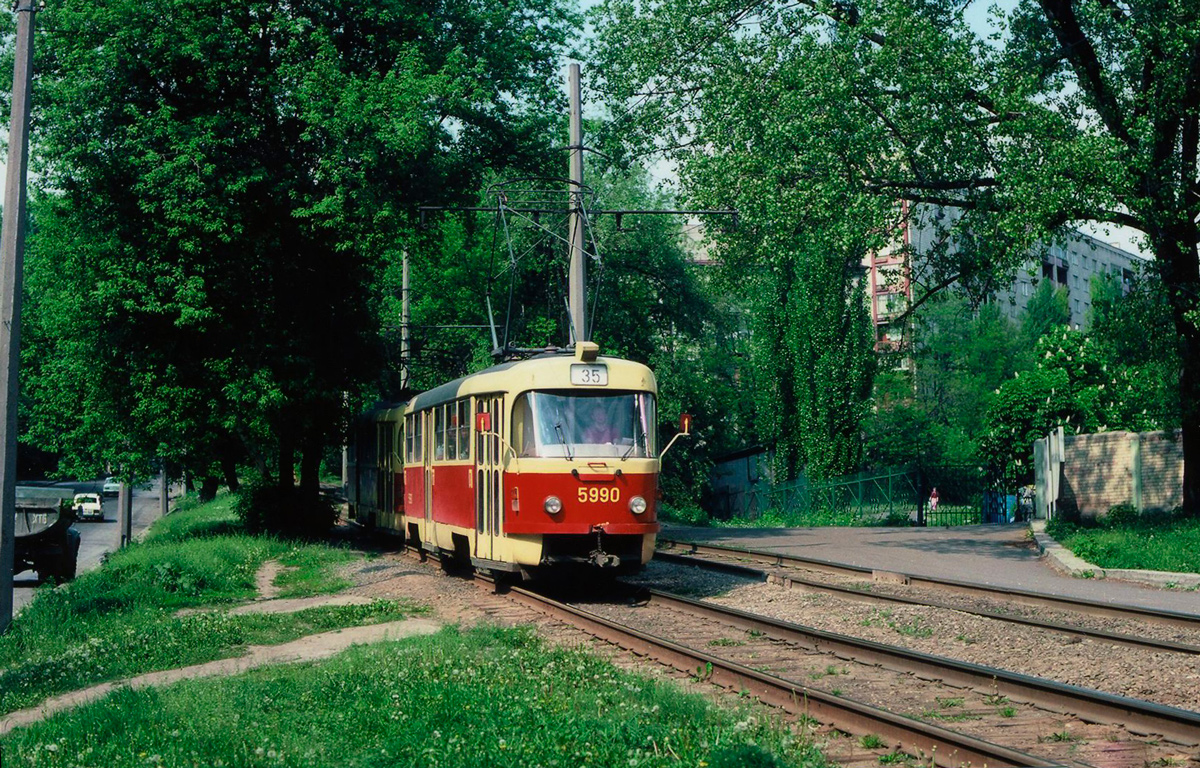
(495, 697)
(123, 619)
(1156, 542)
(814, 518)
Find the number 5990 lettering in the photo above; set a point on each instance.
(599, 494)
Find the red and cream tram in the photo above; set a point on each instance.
(541, 462)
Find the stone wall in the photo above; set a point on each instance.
(1100, 471)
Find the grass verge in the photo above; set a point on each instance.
(816, 518)
(495, 697)
(123, 619)
(1153, 542)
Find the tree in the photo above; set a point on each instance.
(937, 414)
(220, 189)
(1076, 384)
(1048, 308)
(1084, 111)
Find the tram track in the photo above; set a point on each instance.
(924, 741)
(1187, 622)
(788, 578)
(1040, 720)
(946, 714)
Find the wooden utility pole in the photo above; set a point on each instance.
(12, 255)
(577, 276)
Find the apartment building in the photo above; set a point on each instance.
(1069, 265)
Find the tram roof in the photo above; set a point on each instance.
(452, 390)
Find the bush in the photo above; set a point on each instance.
(264, 507)
(1121, 516)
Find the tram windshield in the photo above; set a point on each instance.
(572, 425)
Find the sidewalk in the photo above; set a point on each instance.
(997, 555)
(1062, 560)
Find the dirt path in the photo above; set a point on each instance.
(310, 648)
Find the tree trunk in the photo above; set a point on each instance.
(1189, 398)
(208, 488)
(287, 461)
(229, 469)
(1176, 256)
(310, 469)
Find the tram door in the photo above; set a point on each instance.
(488, 493)
(383, 479)
(426, 433)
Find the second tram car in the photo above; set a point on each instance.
(549, 461)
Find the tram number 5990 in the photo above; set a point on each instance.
(601, 494)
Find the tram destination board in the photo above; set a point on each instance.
(589, 375)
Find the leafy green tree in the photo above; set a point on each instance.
(1081, 111)
(1025, 409)
(1132, 326)
(220, 188)
(1048, 308)
(936, 414)
(1076, 385)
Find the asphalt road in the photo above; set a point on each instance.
(96, 538)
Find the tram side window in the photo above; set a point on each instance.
(439, 433)
(408, 439)
(451, 431)
(418, 438)
(464, 429)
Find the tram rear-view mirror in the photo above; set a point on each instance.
(685, 423)
(483, 422)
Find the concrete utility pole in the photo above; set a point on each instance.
(404, 320)
(164, 497)
(12, 254)
(577, 276)
(125, 514)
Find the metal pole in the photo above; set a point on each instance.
(125, 513)
(405, 320)
(577, 277)
(12, 253)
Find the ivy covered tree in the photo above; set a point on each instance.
(1085, 110)
(219, 189)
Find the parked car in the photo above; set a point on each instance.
(111, 487)
(89, 506)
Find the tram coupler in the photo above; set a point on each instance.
(598, 557)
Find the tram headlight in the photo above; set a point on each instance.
(553, 505)
(637, 505)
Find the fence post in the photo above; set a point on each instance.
(889, 495)
(921, 497)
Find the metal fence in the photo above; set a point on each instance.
(864, 498)
(966, 495)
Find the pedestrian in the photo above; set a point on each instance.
(933, 500)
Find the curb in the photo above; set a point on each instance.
(1064, 561)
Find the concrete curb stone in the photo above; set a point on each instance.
(1064, 561)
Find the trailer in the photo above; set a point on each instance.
(45, 541)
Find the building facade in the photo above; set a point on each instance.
(1070, 265)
